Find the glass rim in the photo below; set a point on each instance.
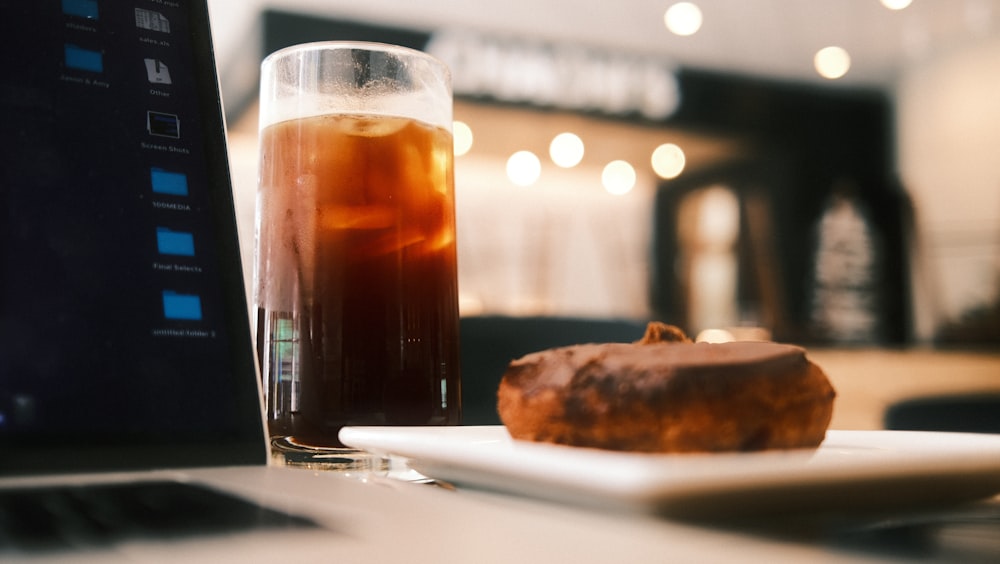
(353, 45)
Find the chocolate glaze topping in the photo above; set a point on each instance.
(651, 365)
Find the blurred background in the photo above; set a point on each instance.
(817, 172)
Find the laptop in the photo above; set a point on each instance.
(122, 310)
(127, 375)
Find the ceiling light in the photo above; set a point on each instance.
(832, 62)
(566, 150)
(618, 178)
(668, 161)
(524, 168)
(683, 18)
(463, 137)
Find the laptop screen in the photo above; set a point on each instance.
(124, 339)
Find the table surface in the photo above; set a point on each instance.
(867, 382)
(374, 518)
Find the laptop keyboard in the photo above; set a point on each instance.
(67, 517)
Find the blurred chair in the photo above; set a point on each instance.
(971, 413)
(489, 343)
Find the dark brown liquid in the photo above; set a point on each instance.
(365, 209)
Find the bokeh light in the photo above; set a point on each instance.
(719, 217)
(566, 150)
(714, 336)
(896, 4)
(832, 62)
(668, 161)
(683, 18)
(463, 137)
(618, 177)
(524, 168)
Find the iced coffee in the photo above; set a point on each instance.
(356, 291)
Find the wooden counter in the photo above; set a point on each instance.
(868, 381)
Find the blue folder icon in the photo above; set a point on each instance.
(84, 59)
(82, 8)
(170, 242)
(166, 182)
(181, 306)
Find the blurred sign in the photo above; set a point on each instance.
(562, 76)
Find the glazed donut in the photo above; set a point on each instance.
(667, 394)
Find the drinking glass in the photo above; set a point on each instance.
(356, 290)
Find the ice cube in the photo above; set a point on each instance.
(437, 221)
(357, 217)
(391, 241)
(374, 126)
(440, 170)
(444, 237)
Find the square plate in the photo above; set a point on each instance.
(850, 470)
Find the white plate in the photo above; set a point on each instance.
(851, 469)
